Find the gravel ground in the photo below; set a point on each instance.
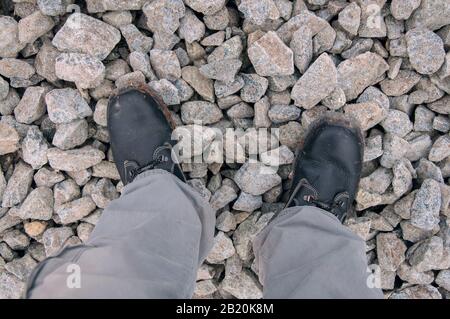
(229, 64)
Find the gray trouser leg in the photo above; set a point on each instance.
(147, 244)
(305, 252)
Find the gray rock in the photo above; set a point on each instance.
(440, 149)
(240, 111)
(357, 73)
(34, 148)
(45, 61)
(247, 202)
(53, 7)
(8, 104)
(18, 185)
(94, 6)
(10, 286)
(230, 49)
(15, 68)
(84, 34)
(394, 148)
(373, 148)
(390, 251)
(255, 87)
(242, 286)
(86, 71)
(38, 205)
(425, 50)
(9, 139)
(55, 238)
(401, 84)
(224, 71)
(222, 249)
(66, 105)
(424, 256)
(226, 222)
(258, 12)
(290, 134)
(200, 83)
(367, 114)
(135, 39)
(75, 210)
(163, 16)
(4, 89)
(222, 197)
(426, 205)
(413, 276)
(431, 14)
(66, 191)
(402, 9)
(9, 220)
(48, 178)
(206, 7)
(166, 90)
(402, 181)
(119, 19)
(283, 113)
(377, 182)
(9, 35)
(200, 112)
(246, 232)
(349, 18)
(317, 83)
(74, 160)
(397, 122)
(34, 26)
(71, 135)
(417, 292)
(443, 279)
(21, 267)
(270, 56)
(261, 118)
(191, 28)
(16, 239)
(32, 106)
(256, 178)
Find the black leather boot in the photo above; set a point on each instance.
(327, 170)
(140, 128)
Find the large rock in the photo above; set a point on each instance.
(426, 206)
(74, 160)
(74, 211)
(9, 139)
(9, 37)
(66, 105)
(259, 11)
(18, 185)
(256, 178)
(317, 83)
(200, 112)
(390, 251)
(270, 56)
(38, 205)
(34, 148)
(34, 26)
(425, 50)
(84, 34)
(431, 14)
(94, 6)
(163, 16)
(356, 74)
(86, 71)
(206, 7)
